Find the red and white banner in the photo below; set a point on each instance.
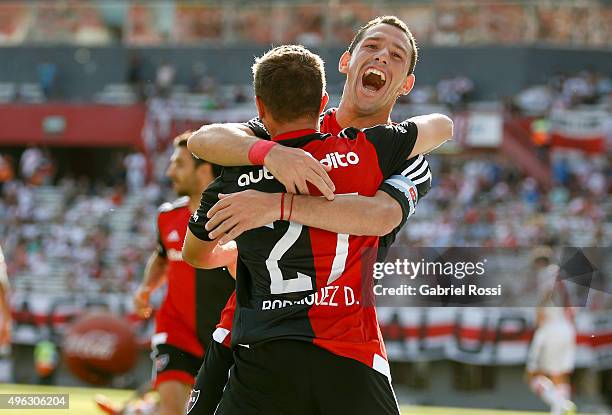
(485, 336)
(581, 129)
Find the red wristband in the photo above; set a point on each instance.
(259, 151)
(282, 206)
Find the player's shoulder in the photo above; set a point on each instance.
(351, 133)
(179, 203)
(258, 128)
(330, 112)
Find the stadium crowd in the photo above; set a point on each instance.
(564, 91)
(90, 22)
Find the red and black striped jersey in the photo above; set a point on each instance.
(194, 297)
(295, 282)
(407, 185)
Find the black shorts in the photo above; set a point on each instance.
(211, 380)
(172, 363)
(291, 377)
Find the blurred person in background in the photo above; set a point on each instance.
(195, 298)
(47, 75)
(5, 308)
(7, 173)
(46, 359)
(135, 166)
(5, 324)
(552, 354)
(31, 159)
(164, 79)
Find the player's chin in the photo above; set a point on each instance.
(180, 190)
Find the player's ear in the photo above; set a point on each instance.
(261, 110)
(407, 85)
(324, 101)
(343, 64)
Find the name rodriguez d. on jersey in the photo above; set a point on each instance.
(334, 160)
(328, 296)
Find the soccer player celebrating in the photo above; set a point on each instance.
(304, 341)
(383, 46)
(552, 353)
(195, 297)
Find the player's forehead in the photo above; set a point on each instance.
(180, 153)
(384, 32)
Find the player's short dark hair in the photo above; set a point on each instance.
(181, 141)
(290, 81)
(393, 21)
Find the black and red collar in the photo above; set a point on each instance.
(294, 134)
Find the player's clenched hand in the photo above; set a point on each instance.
(293, 167)
(141, 302)
(239, 212)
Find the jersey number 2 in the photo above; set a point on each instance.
(303, 282)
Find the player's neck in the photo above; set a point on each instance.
(194, 202)
(346, 116)
(276, 128)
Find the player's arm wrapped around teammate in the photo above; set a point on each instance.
(408, 185)
(393, 144)
(198, 248)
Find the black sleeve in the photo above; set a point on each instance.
(198, 220)
(407, 186)
(258, 128)
(393, 144)
(161, 249)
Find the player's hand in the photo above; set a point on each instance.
(5, 332)
(239, 212)
(141, 302)
(293, 167)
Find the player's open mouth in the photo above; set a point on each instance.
(373, 79)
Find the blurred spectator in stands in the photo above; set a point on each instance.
(47, 74)
(36, 166)
(241, 95)
(7, 173)
(455, 91)
(564, 92)
(90, 28)
(198, 74)
(135, 75)
(135, 165)
(31, 160)
(46, 359)
(165, 79)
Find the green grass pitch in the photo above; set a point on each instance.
(81, 402)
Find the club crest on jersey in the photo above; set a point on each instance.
(413, 193)
(336, 160)
(161, 362)
(246, 179)
(193, 399)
